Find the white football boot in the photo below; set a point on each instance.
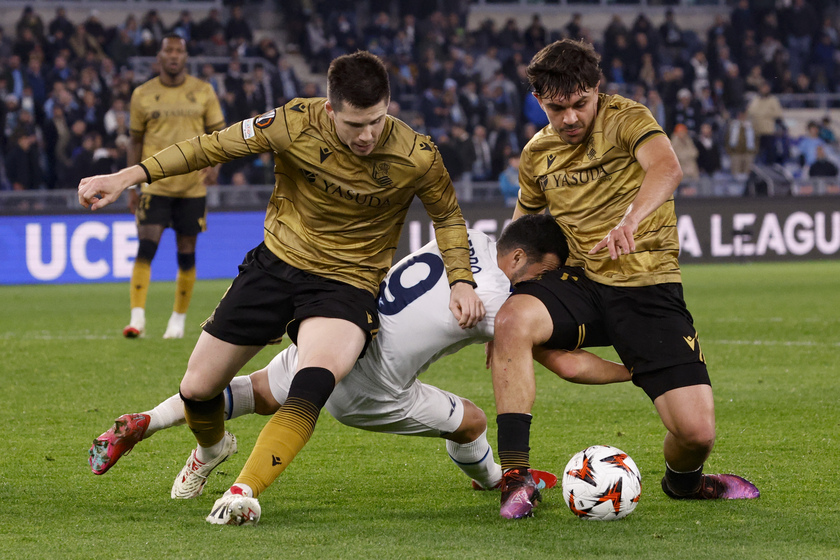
(137, 325)
(235, 508)
(191, 480)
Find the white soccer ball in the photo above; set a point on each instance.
(602, 483)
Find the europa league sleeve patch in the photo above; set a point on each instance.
(265, 120)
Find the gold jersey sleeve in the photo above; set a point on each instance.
(163, 115)
(333, 213)
(588, 187)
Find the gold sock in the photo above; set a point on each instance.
(206, 419)
(279, 442)
(184, 282)
(141, 276)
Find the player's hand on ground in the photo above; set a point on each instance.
(465, 305)
(619, 241)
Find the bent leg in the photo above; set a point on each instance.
(321, 364)
(688, 414)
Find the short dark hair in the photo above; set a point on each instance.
(360, 79)
(564, 68)
(536, 234)
(173, 36)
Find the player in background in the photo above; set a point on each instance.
(605, 170)
(172, 107)
(382, 393)
(347, 173)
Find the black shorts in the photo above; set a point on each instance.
(270, 297)
(187, 216)
(649, 326)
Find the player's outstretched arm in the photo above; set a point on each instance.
(101, 190)
(662, 177)
(465, 305)
(580, 366)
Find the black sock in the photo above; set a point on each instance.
(514, 440)
(683, 483)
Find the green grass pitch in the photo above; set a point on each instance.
(770, 332)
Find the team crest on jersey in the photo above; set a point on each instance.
(380, 173)
(542, 182)
(265, 120)
(591, 152)
(308, 175)
(191, 97)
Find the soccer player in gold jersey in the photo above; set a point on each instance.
(605, 170)
(346, 175)
(171, 107)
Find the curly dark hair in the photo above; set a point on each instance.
(536, 234)
(360, 79)
(564, 68)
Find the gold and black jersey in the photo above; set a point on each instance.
(163, 115)
(588, 187)
(333, 213)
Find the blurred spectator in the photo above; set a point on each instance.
(60, 23)
(509, 181)
(121, 48)
(822, 166)
(482, 168)
(81, 43)
(263, 89)
(687, 111)
(319, 44)
(22, 162)
(535, 36)
(686, 151)
(56, 154)
(741, 145)
(152, 23)
(184, 27)
(237, 26)
(29, 20)
(209, 26)
(671, 38)
(808, 144)
(708, 151)
(95, 28)
(657, 107)
(763, 111)
(779, 151)
(800, 26)
(827, 132)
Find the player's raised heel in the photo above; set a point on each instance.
(519, 494)
(191, 480)
(235, 508)
(718, 487)
(121, 438)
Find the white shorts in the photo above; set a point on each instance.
(418, 410)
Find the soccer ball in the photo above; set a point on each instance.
(602, 483)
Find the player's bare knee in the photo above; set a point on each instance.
(472, 426)
(511, 325)
(264, 402)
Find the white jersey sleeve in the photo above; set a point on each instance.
(416, 326)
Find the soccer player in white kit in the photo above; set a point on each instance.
(382, 392)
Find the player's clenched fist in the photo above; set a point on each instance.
(101, 190)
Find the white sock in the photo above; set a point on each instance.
(167, 414)
(170, 413)
(205, 454)
(476, 460)
(138, 317)
(239, 397)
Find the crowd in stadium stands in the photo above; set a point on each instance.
(65, 85)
